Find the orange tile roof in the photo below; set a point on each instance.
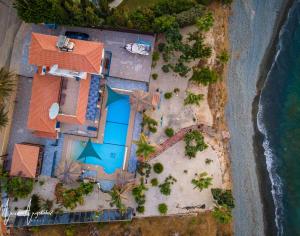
(24, 160)
(45, 92)
(82, 102)
(86, 56)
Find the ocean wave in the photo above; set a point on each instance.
(276, 182)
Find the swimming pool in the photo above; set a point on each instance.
(113, 149)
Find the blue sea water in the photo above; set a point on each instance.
(279, 121)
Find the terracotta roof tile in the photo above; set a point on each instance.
(86, 56)
(45, 92)
(24, 160)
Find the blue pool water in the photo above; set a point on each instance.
(113, 148)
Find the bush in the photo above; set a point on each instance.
(168, 95)
(155, 58)
(154, 76)
(165, 68)
(169, 132)
(181, 69)
(149, 123)
(144, 169)
(162, 208)
(176, 90)
(165, 188)
(19, 187)
(223, 197)
(205, 76)
(193, 99)
(226, 2)
(208, 161)
(205, 22)
(161, 47)
(223, 57)
(164, 23)
(35, 204)
(140, 209)
(205, 2)
(158, 168)
(222, 214)
(190, 16)
(194, 142)
(154, 182)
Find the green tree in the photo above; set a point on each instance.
(158, 168)
(164, 23)
(19, 187)
(222, 214)
(144, 149)
(205, 22)
(169, 132)
(204, 76)
(202, 181)
(223, 197)
(117, 194)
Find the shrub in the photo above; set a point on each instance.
(168, 95)
(158, 168)
(193, 99)
(204, 76)
(202, 181)
(149, 123)
(140, 209)
(69, 230)
(165, 68)
(154, 182)
(222, 214)
(155, 58)
(223, 57)
(165, 188)
(208, 161)
(226, 2)
(176, 90)
(223, 197)
(162, 208)
(205, 2)
(205, 22)
(194, 142)
(161, 47)
(144, 169)
(164, 23)
(19, 187)
(35, 204)
(181, 69)
(169, 132)
(154, 76)
(190, 16)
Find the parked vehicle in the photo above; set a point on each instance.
(77, 35)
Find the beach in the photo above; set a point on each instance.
(253, 32)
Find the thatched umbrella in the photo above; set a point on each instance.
(141, 100)
(68, 172)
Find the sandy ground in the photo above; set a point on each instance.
(183, 193)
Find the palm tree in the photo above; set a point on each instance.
(144, 149)
(3, 116)
(7, 83)
(202, 181)
(117, 196)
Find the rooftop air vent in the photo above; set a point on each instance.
(64, 44)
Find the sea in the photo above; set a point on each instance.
(278, 119)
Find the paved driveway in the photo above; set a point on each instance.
(123, 64)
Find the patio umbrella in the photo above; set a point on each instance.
(88, 151)
(140, 100)
(68, 172)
